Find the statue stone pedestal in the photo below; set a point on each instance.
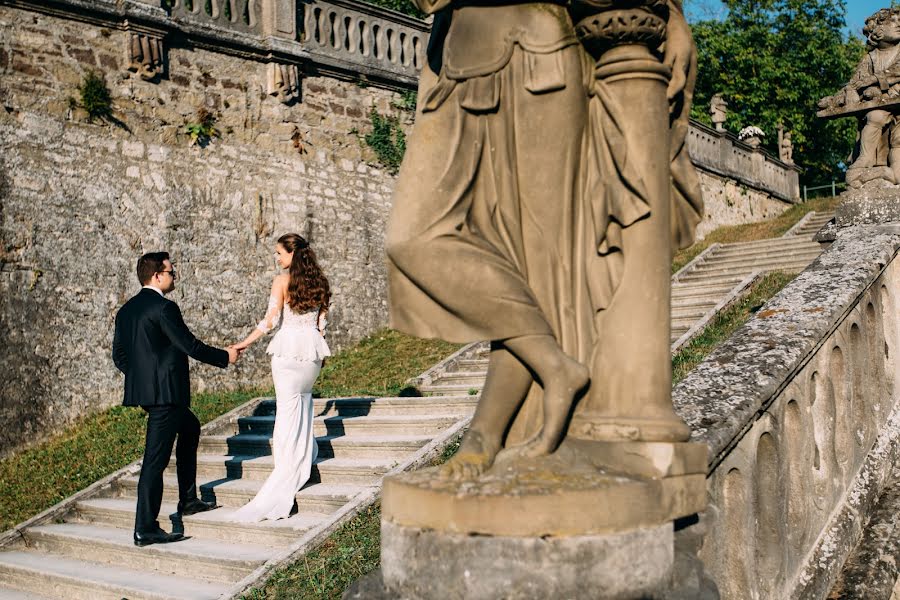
(868, 205)
(574, 524)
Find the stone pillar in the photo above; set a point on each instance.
(279, 19)
(630, 397)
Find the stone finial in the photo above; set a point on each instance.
(752, 136)
(145, 55)
(283, 82)
(718, 111)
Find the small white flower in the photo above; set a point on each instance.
(751, 131)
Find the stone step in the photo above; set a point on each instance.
(685, 324)
(318, 498)
(725, 280)
(360, 471)
(692, 314)
(70, 579)
(779, 242)
(365, 425)
(707, 301)
(215, 524)
(720, 274)
(460, 377)
(344, 446)
(472, 364)
(354, 407)
(452, 388)
(740, 259)
(693, 289)
(197, 558)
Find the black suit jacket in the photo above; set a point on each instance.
(151, 345)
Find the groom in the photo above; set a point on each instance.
(150, 346)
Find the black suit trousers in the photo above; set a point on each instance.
(164, 423)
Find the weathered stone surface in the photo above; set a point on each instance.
(420, 564)
(718, 399)
(799, 410)
(869, 205)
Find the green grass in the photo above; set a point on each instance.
(753, 231)
(726, 322)
(354, 549)
(39, 477)
(379, 365)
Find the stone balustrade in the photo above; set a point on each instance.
(721, 153)
(799, 410)
(341, 38)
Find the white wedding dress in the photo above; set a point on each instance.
(297, 351)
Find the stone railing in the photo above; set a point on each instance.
(721, 153)
(799, 410)
(342, 30)
(239, 15)
(342, 38)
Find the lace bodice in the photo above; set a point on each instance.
(279, 311)
(300, 334)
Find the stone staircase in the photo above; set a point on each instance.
(705, 286)
(82, 549)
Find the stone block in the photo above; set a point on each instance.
(869, 206)
(420, 564)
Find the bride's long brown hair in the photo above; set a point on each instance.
(307, 285)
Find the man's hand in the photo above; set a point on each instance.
(233, 354)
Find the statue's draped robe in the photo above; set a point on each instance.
(503, 224)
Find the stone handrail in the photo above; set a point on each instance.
(342, 38)
(343, 30)
(721, 153)
(799, 411)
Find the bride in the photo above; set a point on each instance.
(300, 298)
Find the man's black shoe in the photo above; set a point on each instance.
(194, 506)
(156, 537)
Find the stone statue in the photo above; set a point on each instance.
(545, 185)
(718, 111)
(785, 146)
(873, 95)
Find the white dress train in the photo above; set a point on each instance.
(297, 351)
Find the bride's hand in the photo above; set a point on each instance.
(240, 346)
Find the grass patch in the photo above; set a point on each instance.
(379, 365)
(39, 477)
(354, 549)
(752, 232)
(726, 322)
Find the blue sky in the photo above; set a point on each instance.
(857, 10)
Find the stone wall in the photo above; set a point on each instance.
(81, 201)
(800, 411)
(741, 184)
(729, 202)
(291, 93)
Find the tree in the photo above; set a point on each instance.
(773, 60)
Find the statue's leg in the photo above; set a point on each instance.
(561, 378)
(894, 155)
(870, 137)
(507, 384)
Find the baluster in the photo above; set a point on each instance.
(332, 29)
(380, 42)
(407, 50)
(393, 46)
(322, 27)
(365, 38)
(352, 32)
(418, 54)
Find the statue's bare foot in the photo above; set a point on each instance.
(474, 457)
(559, 394)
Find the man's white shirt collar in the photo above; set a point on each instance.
(155, 289)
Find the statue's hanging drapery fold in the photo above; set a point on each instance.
(523, 176)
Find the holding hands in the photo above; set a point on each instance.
(234, 353)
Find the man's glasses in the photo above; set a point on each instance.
(173, 273)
